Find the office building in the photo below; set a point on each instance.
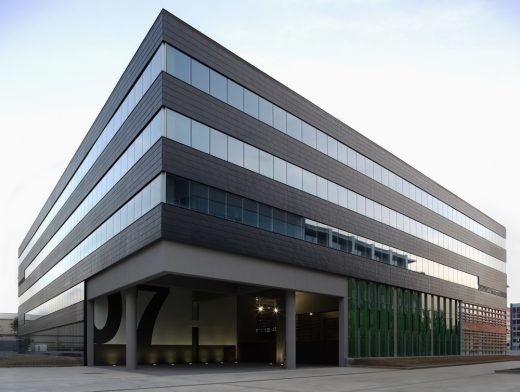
(211, 214)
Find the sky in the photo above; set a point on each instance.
(436, 83)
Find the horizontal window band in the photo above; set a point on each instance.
(190, 71)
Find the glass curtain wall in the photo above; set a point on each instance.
(391, 321)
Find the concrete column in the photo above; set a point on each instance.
(131, 328)
(89, 324)
(395, 318)
(343, 328)
(290, 329)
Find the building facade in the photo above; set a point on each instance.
(8, 338)
(514, 328)
(211, 214)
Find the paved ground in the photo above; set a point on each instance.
(473, 378)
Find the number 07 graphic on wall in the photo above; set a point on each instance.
(146, 323)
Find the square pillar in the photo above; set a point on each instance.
(343, 329)
(131, 328)
(89, 328)
(290, 329)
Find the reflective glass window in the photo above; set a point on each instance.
(294, 127)
(392, 183)
(217, 85)
(178, 127)
(251, 158)
(369, 208)
(310, 231)
(332, 192)
(377, 212)
(251, 103)
(294, 176)
(343, 197)
(218, 144)
(250, 212)
(321, 187)
(234, 208)
(309, 182)
(181, 192)
(280, 170)
(369, 168)
(360, 204)
(265, 215)
(265, 111)
(377, 172)
(332, 147)
(342, 153)
(200, 76)
(279, 223)
(323, 234)
(200, 136)
(393, 218)
(217, 203)
(266, 164)
(309, 135)
(360, 163)
(352, 200)
(199, 197)
(235, 151)
(384, 176)
(235, 95)
(321, 141)
(351, 158)
(385, 215)
(294, 226)
(178, 64)
(279, 118)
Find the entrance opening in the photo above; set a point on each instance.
(316, 329)
(184, 320)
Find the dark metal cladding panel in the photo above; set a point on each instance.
(139, 61)
(209, 52)
(147, 168)
(193, 103)
(138, 119)
(189, 163)
(69, 315)
(143, 232)
(182, 225)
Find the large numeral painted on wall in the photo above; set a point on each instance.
(146, 324)
(115, 311)
(150, 314)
